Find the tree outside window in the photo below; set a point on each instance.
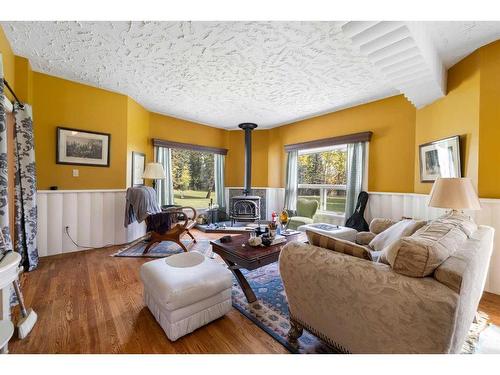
(193, 178)
(322, 175)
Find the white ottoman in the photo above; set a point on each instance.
(186, 291)
(330, 230)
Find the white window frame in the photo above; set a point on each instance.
(323, 188)
(198, 209)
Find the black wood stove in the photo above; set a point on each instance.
(246, 207)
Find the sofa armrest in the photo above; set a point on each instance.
(364, 306)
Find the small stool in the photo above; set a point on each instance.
(186, 291)
(6, 332)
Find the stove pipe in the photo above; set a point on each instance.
(248, 127)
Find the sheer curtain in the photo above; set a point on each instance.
(291, 180)
(356, 154)
(165, 188)
(219, 180)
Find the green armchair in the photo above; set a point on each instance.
(306, 208)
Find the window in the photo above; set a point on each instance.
(322, 176)
(193, 177)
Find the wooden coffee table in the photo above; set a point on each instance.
(239, 254)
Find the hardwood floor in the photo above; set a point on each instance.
(90, 302)
(490, 304)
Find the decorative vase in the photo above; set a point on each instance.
(284, 220)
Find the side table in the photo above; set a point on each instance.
(331, 230)
(6, 332)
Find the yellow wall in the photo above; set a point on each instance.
(177, 130)
(235, 163)
(455, 114)
(489, 120)
(24, 79)
(275, 159)
(59, 102)
(470, 109)
(391, 154)
(137, 135)
(8, 60)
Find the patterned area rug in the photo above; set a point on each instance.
(163, 249)
(489, 341)
(270, 312)
(477, 328)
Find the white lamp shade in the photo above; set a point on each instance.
(154, 171)
(454, 194)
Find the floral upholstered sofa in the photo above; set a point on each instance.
(421, 296)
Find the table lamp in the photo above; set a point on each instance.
(154, 171)
(456, 194)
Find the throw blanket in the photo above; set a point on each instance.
(141, 202)
(161, 222)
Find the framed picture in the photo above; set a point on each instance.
(440, 159)
(138, 165)
(82, 147)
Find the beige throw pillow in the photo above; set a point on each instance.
(395, 232)
(364, 238)
(338, 245)
(378, 225)
(463, 222)
(420, 254)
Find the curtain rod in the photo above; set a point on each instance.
(188, 146)
(13, 93)
(342, 139)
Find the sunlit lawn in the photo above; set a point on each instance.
(197, 199)
(192, 198)
(336, 204)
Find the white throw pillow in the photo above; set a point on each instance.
(403, 228)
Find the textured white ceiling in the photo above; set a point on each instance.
(216, 73)
(225, 73)
(456, 39)
(404, 54)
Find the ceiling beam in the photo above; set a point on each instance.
(402, 52)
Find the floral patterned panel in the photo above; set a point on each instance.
(25, 188)
(4, 207)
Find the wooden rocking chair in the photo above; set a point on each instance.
(183, 223)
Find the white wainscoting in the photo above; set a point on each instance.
(95, 219)
(397, 205)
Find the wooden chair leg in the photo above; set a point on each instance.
(150, 245)
(190, 235)
(179, 242)
(295, 331)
